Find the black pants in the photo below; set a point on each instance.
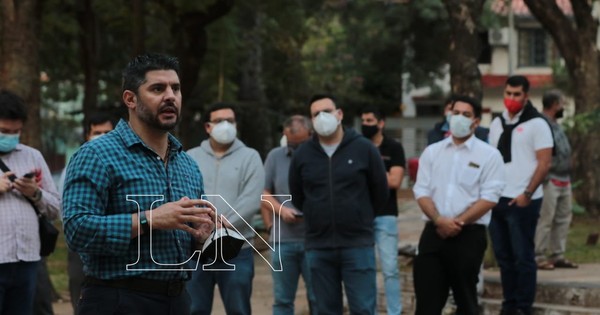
(76, 276)
(453, 263)
(44, 291)
(103, 300)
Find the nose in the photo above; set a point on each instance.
(170, 93)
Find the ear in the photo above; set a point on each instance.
(207, 128)
(130, 99)
(381, 124)
(341, 114)
(476, 122)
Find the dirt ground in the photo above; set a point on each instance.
(409, 224)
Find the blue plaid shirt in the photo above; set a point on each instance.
(102, 175)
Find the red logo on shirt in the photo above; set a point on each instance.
(520, 129)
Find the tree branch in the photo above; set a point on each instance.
(560, 27)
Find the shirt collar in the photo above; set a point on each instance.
(131, 138)
(514, 119)
(468, 144)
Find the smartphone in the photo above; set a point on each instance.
(298, 214)
(29, 175)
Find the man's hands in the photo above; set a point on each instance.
(194, 216)
(448, 227)
(27, 186)
(521, 201)
(288, 215)
(5, 183)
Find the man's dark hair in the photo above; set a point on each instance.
(318, 97)
(12, 107)
(449, 100)
(518, 80)
(134, 73)
(379, 115)
(471, 101)
(95, 118)
(550, 97)
(218, 106)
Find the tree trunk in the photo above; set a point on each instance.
(88, 43)
(465, 46)
(189, 30)
(19, 61)
(138, 29)
(577, 44)
(255, 127)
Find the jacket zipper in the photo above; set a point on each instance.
(333, 222)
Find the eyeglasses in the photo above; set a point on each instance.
(220, 120)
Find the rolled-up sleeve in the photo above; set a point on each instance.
(422, 187)
(492, 178)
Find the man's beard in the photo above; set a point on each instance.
(152, 120)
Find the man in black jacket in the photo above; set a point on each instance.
(337, 180)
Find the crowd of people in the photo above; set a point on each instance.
(136, 208)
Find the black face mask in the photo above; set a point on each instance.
(369, 131)
(560, 113)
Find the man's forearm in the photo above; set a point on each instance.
(428, 207)
(541, 171)
(475, 211)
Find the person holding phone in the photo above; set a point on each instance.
(28, 180)
(289, 230)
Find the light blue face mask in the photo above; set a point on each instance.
(460, 126)
(8, 142)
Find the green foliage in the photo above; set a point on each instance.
(583, 123)
(57, 265)
(577, 250)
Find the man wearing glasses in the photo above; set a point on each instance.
(235, 173)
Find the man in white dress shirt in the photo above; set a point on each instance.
(459, 180)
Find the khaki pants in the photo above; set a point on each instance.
(553, 224)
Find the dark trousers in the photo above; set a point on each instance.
(17, 287)
(103, 300)
(44, 291)
(76, 277)
(452, 263)
(512, 231)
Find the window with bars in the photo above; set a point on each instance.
(535, 48)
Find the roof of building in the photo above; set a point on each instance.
(519, 7)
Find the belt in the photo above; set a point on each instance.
(170, 288)
(560, 183)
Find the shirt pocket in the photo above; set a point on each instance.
(470, 176)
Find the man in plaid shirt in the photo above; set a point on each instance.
(132, 206)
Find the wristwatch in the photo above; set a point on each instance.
(37, 195)
(144, 225)
(527, 194)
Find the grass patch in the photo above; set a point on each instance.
(577, 250)
(57, 265)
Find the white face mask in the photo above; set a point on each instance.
(460, 126)
(325, 124)
(224, 132)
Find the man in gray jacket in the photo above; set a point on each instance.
(233, 180)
